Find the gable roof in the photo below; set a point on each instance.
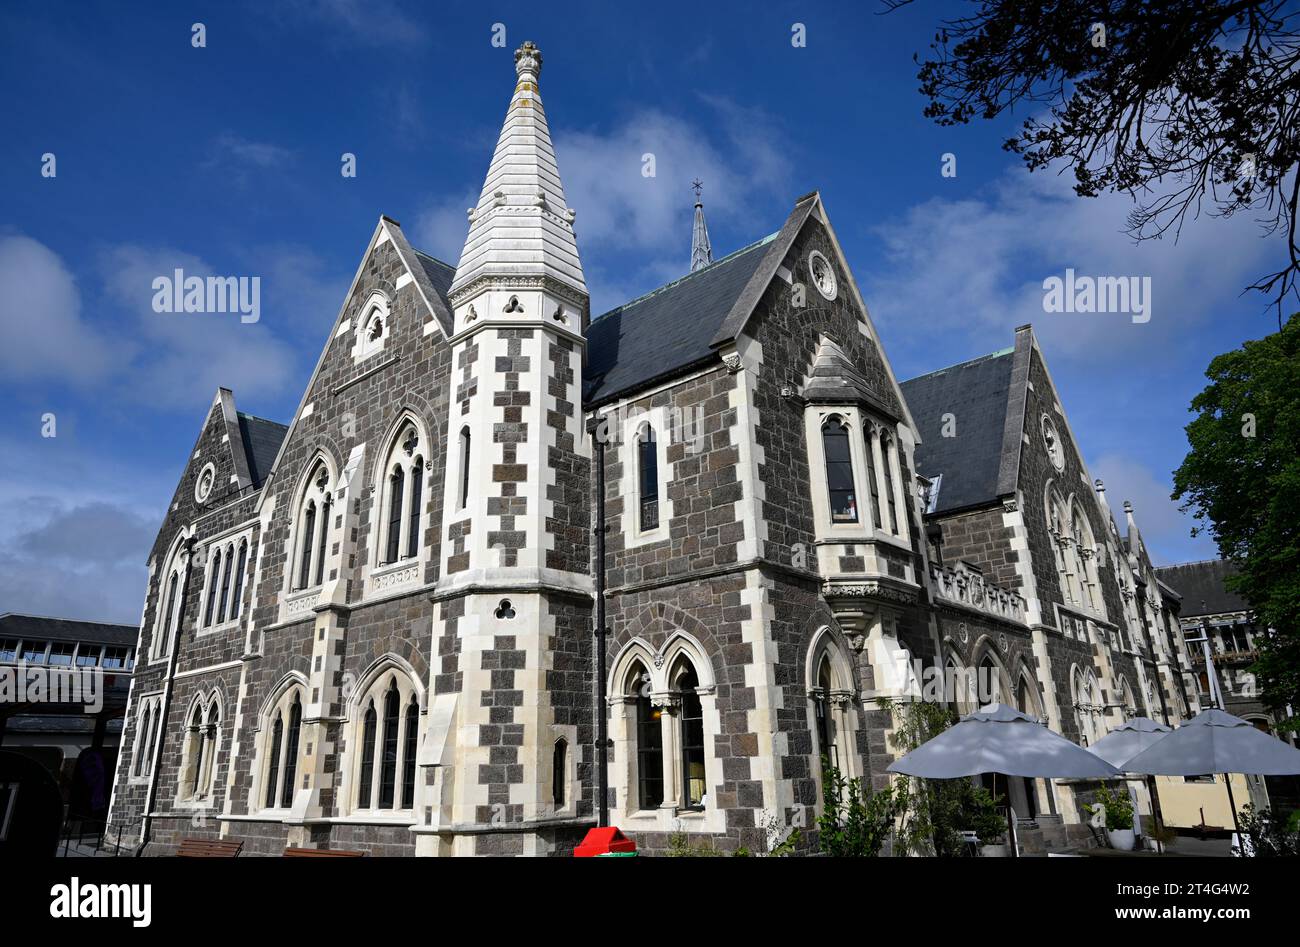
(668, 330)
(261, 439)
(1201, 587)
(977, 394)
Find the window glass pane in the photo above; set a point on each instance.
(692, 723)
(240, 565)
(213, 578)
(87, 655)
(273, 771)
(291, 753)
(33, 652)
(650, 755)
(308, 535)
(464, 466)
(367, 757)
(9, 649)
(61, 653)
(225, 584)
(396, 485)
(115, 658)
(413, 524)
(839, 473)
(409, 753)
(388, 765)
(558, 773)
(322, 540)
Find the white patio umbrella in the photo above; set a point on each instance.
(1001, 739)
(1217, 742)
(1128, 740)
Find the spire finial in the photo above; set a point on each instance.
(528, 59)
(701, 249)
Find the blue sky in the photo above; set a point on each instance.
(226, 160)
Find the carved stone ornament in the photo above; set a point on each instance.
(733, 362)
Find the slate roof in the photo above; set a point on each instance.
(440, 274)
(976, 394)
(1202, 582)
(262, 439)
(668, 330)
(34, 627)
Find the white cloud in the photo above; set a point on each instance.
(973, 269)
(353, 22)
(231, 149)
(440, 230)
(185, 357)
(45, 336)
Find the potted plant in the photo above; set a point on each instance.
(989, 824)
(1119, 817)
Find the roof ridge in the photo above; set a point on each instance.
(76, 621)
(681, 279)
(258, 417)
(1195, 562)
(433, 259)
(1009, 350)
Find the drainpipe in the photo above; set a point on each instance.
(598, 628)
(146, 821)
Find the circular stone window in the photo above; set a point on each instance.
(203, 488)
(823, 275)
(1052, 440)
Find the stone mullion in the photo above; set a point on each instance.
(886, 521)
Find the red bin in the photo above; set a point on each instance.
(604, 841)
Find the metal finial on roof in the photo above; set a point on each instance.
(701, 249)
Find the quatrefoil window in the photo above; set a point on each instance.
(514, 305)
(505, 609)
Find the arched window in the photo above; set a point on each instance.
(873, 484)
(990, 682)
(240, 565)
(214, 572)
(313, 527)
(308, 538)
(839, 471)
(386, 737)
(194, 750)
(282, 739)
(647, 464)
(1057, 520)
(464, 468)
(1088, 707)
(402, 507)
(146, 728)
(559, 772)
(887, 460)
(649, 742)
(694, 784)
(225, 585)
(826, 735)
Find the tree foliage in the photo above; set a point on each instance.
(1241, 481)
(855, 822)
(1178, 104)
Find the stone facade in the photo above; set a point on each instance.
(410, 669)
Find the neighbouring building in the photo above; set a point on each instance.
(73, 732)
(372, 629)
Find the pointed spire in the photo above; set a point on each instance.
(521, 225)
(701, 249)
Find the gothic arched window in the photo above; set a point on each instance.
(386, 736)
(402, 508)
(647, 465)
(313, 531)
(281, 745)
(839, 470)
(694, 784)
(559, 754)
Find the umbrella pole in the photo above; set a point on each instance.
(1227, 778)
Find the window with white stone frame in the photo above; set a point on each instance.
(223, 581)
(313, 527)
(1059, 531)
(648, 510)
(858, 487)
(147, 723)
(171, 592)
(829, 685)
(1083, 548)
(1089, 709)
(199, 750)
(383, 742)
(399, 514)
(664, 724)
(279, 745)
(374, 326)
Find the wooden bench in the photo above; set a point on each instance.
(208, 848)
(321, 853)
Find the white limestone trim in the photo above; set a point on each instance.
(231, 604)
(209, 669)
(374, 326)
(378, 576)
(751, 456)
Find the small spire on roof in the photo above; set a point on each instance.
(701, 249)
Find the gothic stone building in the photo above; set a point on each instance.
(372, 629)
